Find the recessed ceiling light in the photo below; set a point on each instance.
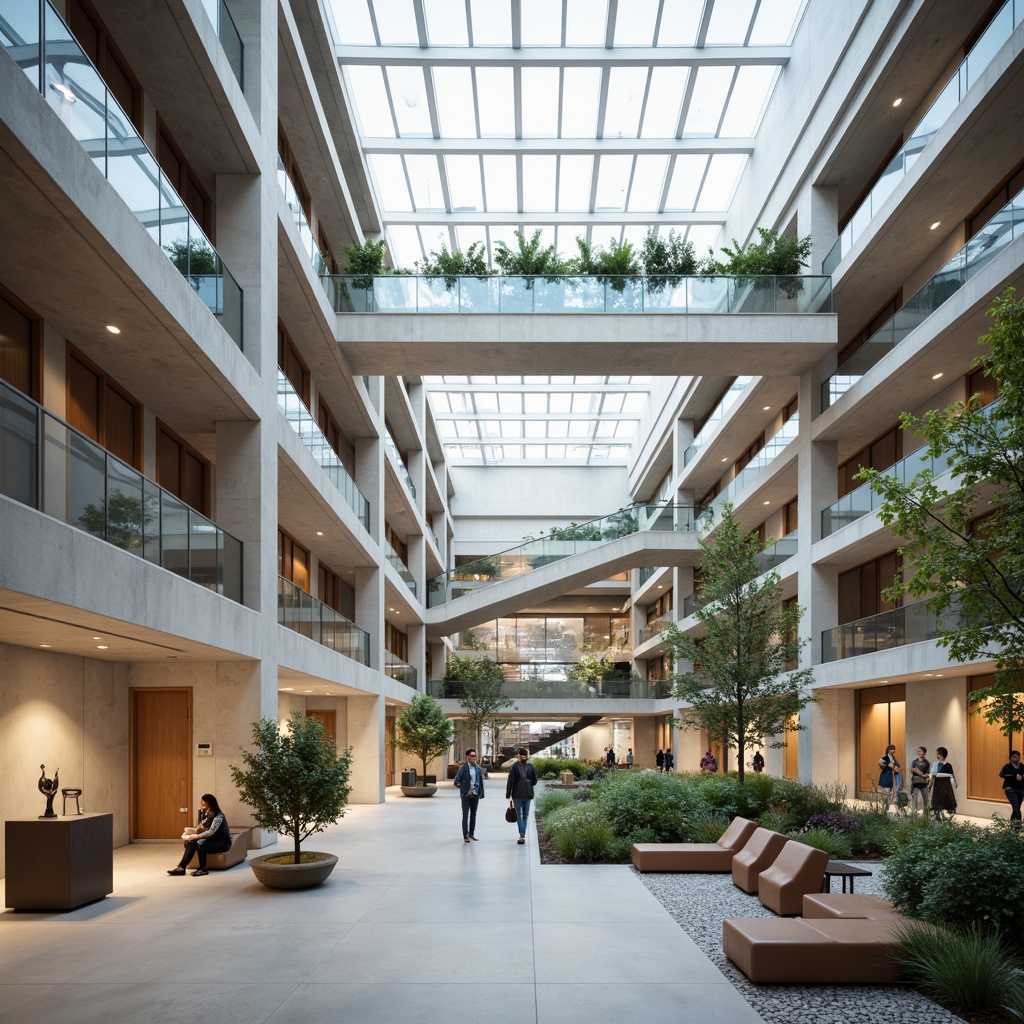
(726, 459)
(288, 689)
(309, 691)
(766, 503)
(936, 376)
(767, 407)
(935, 225)
(46, 645)
(928, 675)
(938, 675)
(113, 329)
(896, 102)
(101, 647)
(319, 533)
(661, 588)
(97, 638)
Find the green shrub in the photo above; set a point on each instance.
(552, 800)
(970, 970)
(956, 875)
(822, 799)
(835, 844)
(644, 801)
(777, 820)
(582, 834)
(552, 767)
(707, 826)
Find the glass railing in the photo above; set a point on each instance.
(689, 606)
(389, 443)
(395, 668)
(401, 568)
(646, 572)
(228, 35)
(48, 465)
(729, 399)
(775, 554)
(75, 92)
(910, 624)
(559, 544)
(565, 689)
(295, 412)
(307, 240)
(772, 449)
(408, 293)
(985, 246)
(649, 632)
(998, 31)
(315, 620)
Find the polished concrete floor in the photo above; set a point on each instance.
(413, 925)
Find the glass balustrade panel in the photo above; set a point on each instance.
(19, 447)
(125, 507)
(87, 485)
(204, 552)
(174, 535)
(19, 35)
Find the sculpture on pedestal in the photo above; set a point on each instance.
(48, 787)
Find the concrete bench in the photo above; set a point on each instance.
(222, 861)
(798, 869)
(694, 856)
(846, 906)
(757, 855)
(802, 951)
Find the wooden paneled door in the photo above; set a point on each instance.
(329, 720)
(791, 751)
(161, 762)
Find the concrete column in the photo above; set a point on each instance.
(818, 216)
(833, 755)
(370, 609)
(369, 477)
(418, 654)
(366, 738)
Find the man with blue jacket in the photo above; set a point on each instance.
(470, 782)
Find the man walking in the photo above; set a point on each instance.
(519, 789)
(1012, 775)
(469, 780)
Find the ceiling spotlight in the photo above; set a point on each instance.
(319, 533)
(936, 376)
(113, 329)
(46, 645)
(766, 503)
(767, 407)
(935, 225)
(726, 459)
(101, 647)
(97, 638)
(896, 102)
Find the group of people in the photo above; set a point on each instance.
(469, 781)
(610, 759)
(664, 760)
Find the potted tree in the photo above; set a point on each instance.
(424, 730)
(297, 784)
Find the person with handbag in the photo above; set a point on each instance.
(519, 789)
(469, 780)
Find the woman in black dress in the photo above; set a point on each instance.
(943, 781)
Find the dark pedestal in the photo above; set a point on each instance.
(59, 863)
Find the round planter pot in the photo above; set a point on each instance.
(419, 790)
(292, 876)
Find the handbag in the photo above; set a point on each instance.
(510, 812)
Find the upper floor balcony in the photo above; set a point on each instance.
(227, 33)
(311, 618)
(571, 690)
(908, 624)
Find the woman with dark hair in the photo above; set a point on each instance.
(943, 781)
(211, 835)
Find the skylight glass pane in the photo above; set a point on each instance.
(372, 108)
(486, 401)
(535, 428)
(704, 237)
(634, 234)
(613, 402)
(581, 93)
(352, 20)
(538, 184)
(707, 100)
(511, 428)
(730, 22)
(625, 97)
(679, 24)
(441, 401)
(720, 183)
(492, 23)
(556, 451)
(775, 22)
(502, 233)
(581, 428)
(453, 92)
(625, 428)
(613, 177)
(464, 185)
(747, 101)
(540, 114)
(510, 403)
(494, 100)
(634, 25)
(408, 93)
(466, 428)
(542, 23)
(558, 428)
(584, 402)
(574, 177)
(665, 97)
(634, 402)
(533, 451)
(585, 22)
(500, 187)
(446, 429)
(567, 235)
(433, 236)
(446, 22)
(426, 182)
(468, 234)
(606, 428)
(490, 428)
(459, 401)
(391, 185)
(404, 245)
(535, 403)
(648, 180)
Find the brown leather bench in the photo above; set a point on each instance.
(846, 906)
(797, 870)
(757, 855)
(222, 861)
(694, 856)
(801, 951)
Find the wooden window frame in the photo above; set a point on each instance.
(185, 447)
(291, 168)
(35, 370)
(187, 175)
(286, 346)
(284, 536)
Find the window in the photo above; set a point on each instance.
(755, 446)
(326, 250)
(102, 410)
(329, 588)
(883, 452)
(860, 589)
(399, 547)
(871, 327)
(181, 470)
(292, 560)
(396, 641)
(790, 517)
(986, 388)
(292, 364)
(185, 181)
(291, 168)
(329, 425)
(19, 346)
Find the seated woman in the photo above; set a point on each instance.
(211, 835)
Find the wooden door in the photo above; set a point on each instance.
(161, 761)
(329, 720)
(791, 751)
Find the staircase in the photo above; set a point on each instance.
(556, 737)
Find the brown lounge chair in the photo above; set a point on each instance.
(797, 870)
(757, 855)
(694, 856)
(846, 906)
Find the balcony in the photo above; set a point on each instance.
(396, 455)
(729, 399)
(395, 668)
(295, 412)
(564, 689)
(775, 554)
(772, 449)
(985, 246)
(407, 293)
(650, 631)
(401, 568)
(48, 465)
(227, 33)
(910, 624)
(303, 613)
(559, 544)
(74, 91)
(999, 30)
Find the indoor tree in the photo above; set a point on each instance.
(966, 540)
(295, 781)
(476, 683)
(739, 688)
(455, 264)
(424, 731)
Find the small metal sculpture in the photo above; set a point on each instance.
(48, 787)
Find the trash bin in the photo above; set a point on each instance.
(409, 777)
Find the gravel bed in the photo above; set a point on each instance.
(699, 903)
